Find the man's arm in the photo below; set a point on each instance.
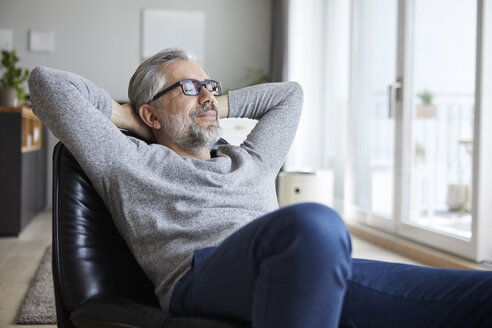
(77, 112)
(277, 107)
(223, 106)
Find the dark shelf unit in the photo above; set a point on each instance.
(22, 170)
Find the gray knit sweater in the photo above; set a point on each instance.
(165, 205)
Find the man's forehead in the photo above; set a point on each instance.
(183, 69)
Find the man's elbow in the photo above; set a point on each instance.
(37, 80)
(296, 92)
(37, 76)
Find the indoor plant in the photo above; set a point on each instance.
(11, 90)
(426, 108)
(256, 76)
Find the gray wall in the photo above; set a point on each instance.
(100, 39)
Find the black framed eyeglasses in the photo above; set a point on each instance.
(192, 87)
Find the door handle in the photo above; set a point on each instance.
(392, 93)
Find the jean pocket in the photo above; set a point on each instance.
(177, 296)
(201, 254)
(180, 301)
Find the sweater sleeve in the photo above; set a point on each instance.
(277, 107)
(78, 113)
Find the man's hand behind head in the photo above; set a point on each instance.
(124, 117)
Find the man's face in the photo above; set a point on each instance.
(191, 122)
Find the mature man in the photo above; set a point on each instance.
(208, 231)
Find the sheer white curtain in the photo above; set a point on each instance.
(318, 58)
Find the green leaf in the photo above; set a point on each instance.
(13, 76)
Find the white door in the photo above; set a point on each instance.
(413, 109)
(374, 73)
(439, 104)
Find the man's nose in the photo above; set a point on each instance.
(206, 96)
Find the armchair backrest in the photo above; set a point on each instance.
(90, 259)
(92, 263)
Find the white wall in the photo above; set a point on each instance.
(100, 39)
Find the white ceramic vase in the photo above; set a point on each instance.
(8, 97)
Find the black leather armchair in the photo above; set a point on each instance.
(97, 281)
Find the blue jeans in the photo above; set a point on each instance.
(292, 268)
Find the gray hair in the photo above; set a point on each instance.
(148, 79)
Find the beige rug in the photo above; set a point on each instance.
(39, 305)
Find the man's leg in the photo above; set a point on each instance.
(285, 269)
(381, 294)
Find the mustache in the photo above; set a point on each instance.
(202, 109)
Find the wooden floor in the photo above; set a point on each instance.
(20, 257)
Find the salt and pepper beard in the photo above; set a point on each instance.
(188, 135)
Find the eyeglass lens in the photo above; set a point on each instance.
(214, 87)
(193, 87)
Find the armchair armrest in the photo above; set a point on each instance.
(102, 312)
(117, 312)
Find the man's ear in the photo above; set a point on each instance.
(148, 115)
